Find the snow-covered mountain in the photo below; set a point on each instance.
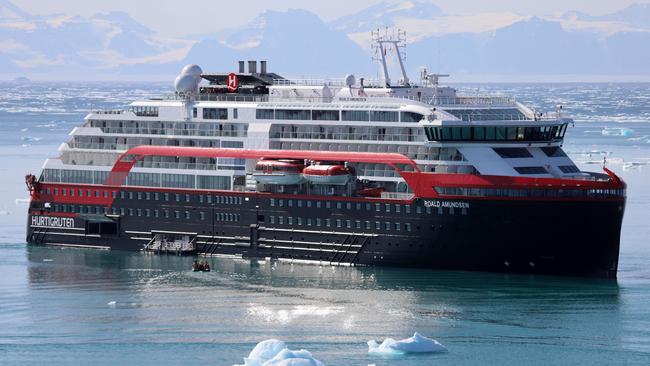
(298, 42)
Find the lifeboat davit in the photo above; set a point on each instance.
(284, 172)
(328, 174)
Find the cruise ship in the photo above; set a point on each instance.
(347, 171)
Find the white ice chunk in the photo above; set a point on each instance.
(415, 344)
(273, 352)
(112, 304)
(617, 131)
(287, 357)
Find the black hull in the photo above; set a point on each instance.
(575, 238)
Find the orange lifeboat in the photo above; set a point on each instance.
(334, 174)
(284, 172)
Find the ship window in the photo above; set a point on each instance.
(358, 205)
(187, 198)
(309, 222)
(397, 226)
(290, 203)
(428, 210)
(178, 197)
(272, 219)
(553, 151)
(130, 212)
(166, 196)
(388, 207)
(235, 113)
(293, 114)
(264, 114)
(156, 213)
(281, 220)
(569, 169)
(338, 223)
(411, 117)
(209, 198)
(368, 207)
(195, 112)
(338, 205)
(531, 170)
(281, 203)
(147, 212)
(130, 195)
(357, 224)
(308, 203)
(187, 215)
(318, 204)
(328, 204)
(328, 222)
(200, 198)
(299, 203)
(139, 195)
(290, 220)
(121, 211)
(407, 209)
(368, 225)
(378, 207)
(177, 214)
(272, 202)
(348, 205)
(139, 212)
(325, 115)
(348, 224)
(215, 113)
(355, 116)
(96, 193)
(387, 226)
(513, 152)
(418, 209)
(500, 133)
(440, 211)
(383, 116)
(377, 225)
(318, 222)
(407, 226)
(451, 210)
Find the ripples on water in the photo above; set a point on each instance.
(68, 306)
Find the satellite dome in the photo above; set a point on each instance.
(192, 69)
(350, 80)
(186, 83)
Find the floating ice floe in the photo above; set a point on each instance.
(273, 352)
(112, 304)
(30, 138)
(617, 131)
(415, 344)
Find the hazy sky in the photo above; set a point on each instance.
(174, 17)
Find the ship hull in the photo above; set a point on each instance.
(576, 238)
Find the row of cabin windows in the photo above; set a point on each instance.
(335, 115)
(139, 212)
(156, 196)
(64, 192)
(338, 223)
(496, 133)
(378, 207)
(533, 193)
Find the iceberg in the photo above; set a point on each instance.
(415, 344)
(617, 131)
(273, 352)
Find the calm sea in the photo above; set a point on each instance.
(88, 307)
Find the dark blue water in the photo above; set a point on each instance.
(72, 306)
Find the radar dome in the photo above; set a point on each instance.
(350, 80)
(186, 83)
(192, 69)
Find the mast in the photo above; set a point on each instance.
(397, 40)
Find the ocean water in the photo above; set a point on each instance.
(81, 307)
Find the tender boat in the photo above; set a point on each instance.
(284, 172)
(335, 174)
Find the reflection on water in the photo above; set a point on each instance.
(101, 298)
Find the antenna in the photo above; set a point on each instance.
(382, 40)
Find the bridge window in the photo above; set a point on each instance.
(553, 151)
(411, 117)
(264, 114)
(383, 116)
(513, 152)
(569, 169)
(531, 170)
(293, 114)
(355, 116)
(215, 113)
(325, 115)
